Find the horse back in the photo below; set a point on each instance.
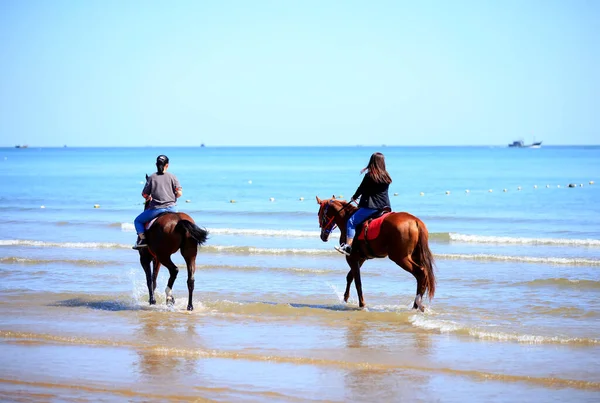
(399, 232)
(167, 222)
(402, 223)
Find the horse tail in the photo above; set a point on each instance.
(185, 227)
(423, 255)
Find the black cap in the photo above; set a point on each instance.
(162, 160)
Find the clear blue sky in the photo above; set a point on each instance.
(325, 72)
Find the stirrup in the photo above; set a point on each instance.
(344, 249)
(140, 245)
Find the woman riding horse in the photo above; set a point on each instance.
(400, 236)
(373, 192)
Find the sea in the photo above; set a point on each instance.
(515, 233)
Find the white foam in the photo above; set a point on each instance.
(74, 245)
(521, 259)
(265, 232)
(127, 227)
(340, 295)
(442, 326)
(523, 241)
(424, 322)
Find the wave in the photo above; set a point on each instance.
(74, 262)
(441, 237)
(434, 236)
(563, 283)
(520, 259)
(102, 263)
(250, 250)
(74, 245)
(445, 326)
(455, 237)
(128, 227)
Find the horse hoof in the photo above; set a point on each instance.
(152, 302)
(190, 308)
(171, 301)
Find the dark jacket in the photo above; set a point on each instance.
(372, 194)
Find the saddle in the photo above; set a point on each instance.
(149, 223)
(370, 228)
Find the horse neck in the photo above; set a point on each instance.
(345, 212)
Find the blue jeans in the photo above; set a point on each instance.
(147, 215)
(361, 214)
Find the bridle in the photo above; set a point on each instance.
(328, 227)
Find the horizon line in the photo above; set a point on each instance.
(25, 146)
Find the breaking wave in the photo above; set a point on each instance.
(446, 326)
(251, 250)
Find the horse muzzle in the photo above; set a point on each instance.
(324, 235)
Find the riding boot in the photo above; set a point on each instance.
(141, 242)
(345, 248)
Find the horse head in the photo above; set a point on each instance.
(333, 212)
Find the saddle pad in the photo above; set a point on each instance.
(149, 223)
(373, 229)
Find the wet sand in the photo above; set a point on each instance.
(77, 347)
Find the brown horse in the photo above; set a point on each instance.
(169, 233)
(403, 238)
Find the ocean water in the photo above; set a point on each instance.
(516, 316)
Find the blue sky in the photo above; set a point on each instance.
(182, 73)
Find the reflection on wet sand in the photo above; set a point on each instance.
(156, 332)
(372, 384)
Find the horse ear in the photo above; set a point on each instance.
(318, 200)
(333, 197)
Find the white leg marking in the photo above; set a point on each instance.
(418, 300)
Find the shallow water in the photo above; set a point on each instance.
(515, 316)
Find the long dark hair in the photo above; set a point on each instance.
(377, 170)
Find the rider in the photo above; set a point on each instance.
(373, 192)
(161, 191)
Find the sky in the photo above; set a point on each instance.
(299, 73)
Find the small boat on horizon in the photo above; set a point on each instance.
(521, 144)
(21, 146)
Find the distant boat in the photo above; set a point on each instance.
(21, 146)
(521, 144)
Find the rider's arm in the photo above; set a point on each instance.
(147, 191)
(361, 189)
(177, 187)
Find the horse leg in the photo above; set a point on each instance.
(407, 264)
(189, 252)
(155, 274)
(349, 279)
(145, 260)
(355, 265)
(173, 271)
